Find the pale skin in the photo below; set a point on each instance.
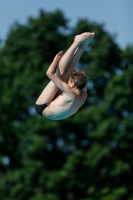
(63, 97)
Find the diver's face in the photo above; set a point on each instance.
(70, 82)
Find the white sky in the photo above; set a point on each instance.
(117, 15)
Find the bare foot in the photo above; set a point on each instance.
(84, 38)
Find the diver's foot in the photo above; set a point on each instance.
(84, 38)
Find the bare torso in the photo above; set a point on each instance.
(65, 105)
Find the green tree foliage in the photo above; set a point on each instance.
(85, 157)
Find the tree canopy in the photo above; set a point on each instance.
(85, 157)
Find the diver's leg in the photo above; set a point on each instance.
(80, 40)
(75, 59)
(77, 54)
(51, 91)
(47, 94)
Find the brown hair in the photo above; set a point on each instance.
(79, 78)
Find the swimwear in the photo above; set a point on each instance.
(40, 108)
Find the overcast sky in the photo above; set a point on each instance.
(117, 15)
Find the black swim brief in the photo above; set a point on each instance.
(40, 108)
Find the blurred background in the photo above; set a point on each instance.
(89, 155)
